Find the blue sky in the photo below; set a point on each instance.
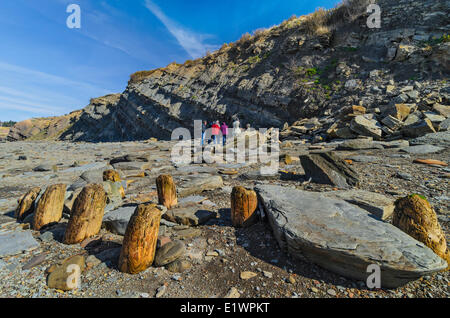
(47, 69)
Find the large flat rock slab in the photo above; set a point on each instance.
(13, 243)
(344, 238)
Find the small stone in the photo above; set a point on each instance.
(247, 275)
(161, 291)
(267, 274)
(233, 293)
(291, 280)
(46, 237)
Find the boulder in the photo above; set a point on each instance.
(415, 216)
(141, 236)
(421, 128)
(344, 238)
(50, 206)
(87, 214)
(169, 253)
(366, 127)
(327, 168)
(191, 214)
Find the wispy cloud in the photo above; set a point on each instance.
(34, 92)
(193, 43)
(34, 75)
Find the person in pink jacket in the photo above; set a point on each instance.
(224, 130)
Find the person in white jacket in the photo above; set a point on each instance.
(236, 128)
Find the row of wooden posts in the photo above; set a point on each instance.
(139, 243)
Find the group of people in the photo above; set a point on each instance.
(218, 129)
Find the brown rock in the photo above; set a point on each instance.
(402, 111)
(87, 214)
(64, 277)
(415, 216)
(111, 175)
(243, 207)
(26, 203)
(50, 206)
(167, 193)
(139, 243)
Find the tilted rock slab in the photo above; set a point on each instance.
(415, 216)
(50, 206)
(87, 214)
(343, 238)
(328, 168)
(27, 203)
(139, 243)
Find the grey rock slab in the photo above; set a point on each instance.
(365, 159)
(189, 214)
(117, 221)
(198, 183)
(344, 238)
(441, 139)
(13, 243)
(377, 204)
(192, 199)
(136, 165)
(394, 144)
(87, 167)
(445, 125)
(7, 205)
(196, 169)
(422, 149)
(359, 144)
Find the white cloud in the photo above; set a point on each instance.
(35, 92)
(193, 43)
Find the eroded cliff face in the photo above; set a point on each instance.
(312, 66)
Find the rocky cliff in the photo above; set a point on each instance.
(312, 67)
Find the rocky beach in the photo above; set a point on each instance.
(355, 122)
